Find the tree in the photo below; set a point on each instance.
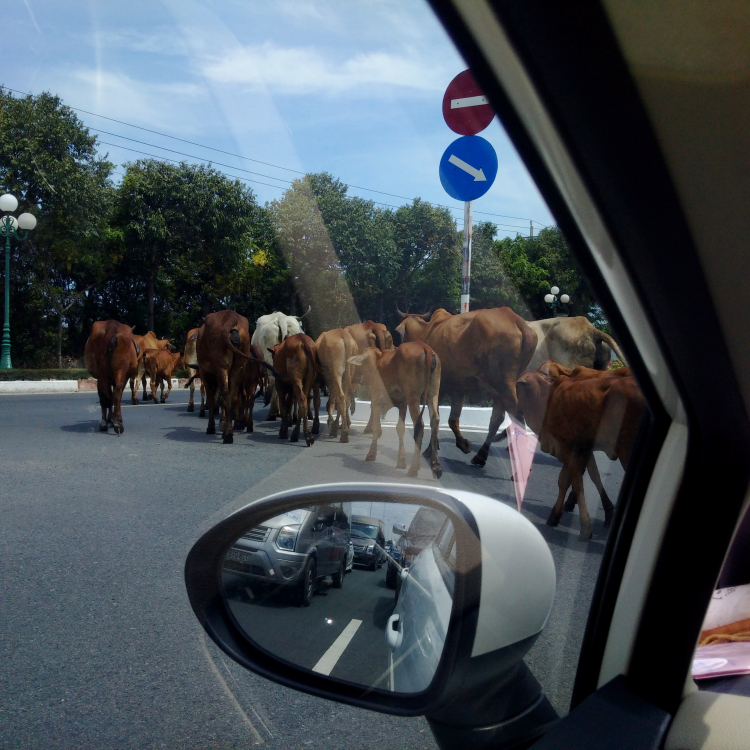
(48, 160)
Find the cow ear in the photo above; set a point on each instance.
(269, 349)
(359, 359)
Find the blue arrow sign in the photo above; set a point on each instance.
(468, 168)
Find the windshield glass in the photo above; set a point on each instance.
(363, 529)
(219, 184)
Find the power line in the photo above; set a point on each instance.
(258, 161)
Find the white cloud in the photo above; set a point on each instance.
(305, 70)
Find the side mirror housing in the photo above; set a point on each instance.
(399, 529)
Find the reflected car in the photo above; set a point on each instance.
(294, 551)
(421, 532)
(415, 632)
(368, 537)
(349, 558)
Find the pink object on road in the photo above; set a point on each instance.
(522, 447)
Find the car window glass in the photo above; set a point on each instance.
(207, 178)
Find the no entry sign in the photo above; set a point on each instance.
(465, 107)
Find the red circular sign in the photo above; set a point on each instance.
(464, 106)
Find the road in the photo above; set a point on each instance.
(99, 645)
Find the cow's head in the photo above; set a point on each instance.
(412, 324)
(533, 389)
(552, 369)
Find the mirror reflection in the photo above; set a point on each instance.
(359, 591)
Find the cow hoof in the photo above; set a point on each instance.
(163, 401)
(191, 407)
(401, 463)
(210, 430)
(585, 534)
(250, 429)
(310, 441)
(103, 426)
(343, 439)
(437, 472)
(294, 439)
(478, 461)
(554, 519)
(202, 413)
(227, 439)
(316, 429)
(464, 446)
(412, 473)
(371, 456)
(119, 429)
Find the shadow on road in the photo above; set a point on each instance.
(375, 469)
(83, 427)
(189, 434)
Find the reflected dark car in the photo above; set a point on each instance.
(394, 564)
(368, 538)
(294, 550)
(421, 533)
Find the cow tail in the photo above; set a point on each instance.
(607, 339)
(381, 340)
(190, 382)
(228, 341)
(112, 345)
(430, 363)
(311, 356)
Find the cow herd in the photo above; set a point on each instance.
(550, 373)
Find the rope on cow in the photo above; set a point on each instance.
(716, 638)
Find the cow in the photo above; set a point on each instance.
(295, 371)
(576, 415)
(191, 362)
(222, 349)
(111, 356)
(482, 352)
(572, 342)
(334, 348)
(253, 378)
(365, 334)
(271, 330)
(160, 365)
(148, 341)
(402, 378)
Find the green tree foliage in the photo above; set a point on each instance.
(48, 160)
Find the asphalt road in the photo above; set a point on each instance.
(99, 646)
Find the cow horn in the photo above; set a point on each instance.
(402, 314)
(309, 308)
(426, 316)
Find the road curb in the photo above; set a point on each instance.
(30, 387)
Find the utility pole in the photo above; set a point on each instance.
(531, 230)
(466, 264)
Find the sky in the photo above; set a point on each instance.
(351, 88)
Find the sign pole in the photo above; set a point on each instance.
(466, 265)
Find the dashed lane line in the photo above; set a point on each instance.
(328, 661)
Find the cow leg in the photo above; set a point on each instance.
(342, 409)
(333, 427)
(316, 404)
(105, 401)
(133, 390)
(249, 413)
(375, 411)
(210, 402)
(191, 398)
(570, 503)
(400, 430)
(169, 390)
(563, 482)
(416, 418)
(202, 412)
(457, 404)
(275, 399)
(596, 478)
(576, 478)
(230, 393)
(117, 391)
(309, 439)
(433, 399)
(285, 408)
(498, 414)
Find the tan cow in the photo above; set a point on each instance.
(191, 362)
(572, 342)
(253, 378)
(222, 350)
(111, 356)
(160, 365)
(402, 378)
(295, 363)
(148, 341)
(482, 353)
(334, 348)
(576, 415)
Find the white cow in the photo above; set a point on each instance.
(572, 342)
(270, 330)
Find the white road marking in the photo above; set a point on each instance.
(328, 661)
(468, 101)
(477, 174)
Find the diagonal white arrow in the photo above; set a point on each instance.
(477, 174)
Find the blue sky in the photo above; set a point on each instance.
(352, 88)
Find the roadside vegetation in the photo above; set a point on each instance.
(169, 243)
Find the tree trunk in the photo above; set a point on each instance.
(59, 340)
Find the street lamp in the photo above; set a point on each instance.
(9, 227)
(554, 301)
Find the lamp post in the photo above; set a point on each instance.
(554, 301)
(9, 227)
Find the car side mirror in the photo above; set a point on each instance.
(466, 614)
(399, 529)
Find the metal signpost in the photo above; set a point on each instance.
(469, 165)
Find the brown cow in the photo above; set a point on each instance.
(334, 348)
(482, 352)
(222, 349)
(191, 362)
(402, 378)
(111, 356)
(576, 415)
(253, 378)
(160, 365)
(295, 363)
(148, 341)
